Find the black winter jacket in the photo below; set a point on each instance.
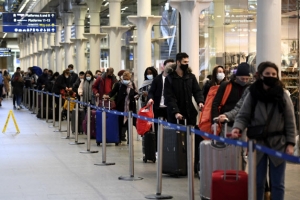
(42, 80)
(17, 87)
(120, 90)
(234, 96)
(178, 96)
(155, 91)
(73, 78)
(61, 83)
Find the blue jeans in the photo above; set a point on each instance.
(18, 99)
(277, 175)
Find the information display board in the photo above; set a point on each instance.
(29, 23)
(5, 52)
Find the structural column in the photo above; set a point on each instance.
(144, 22)
(21, 53)
(49, 50)
(44, 49)
(80, 42)
(268, 37)
(115, 31)
(189, 11)
(67, 44)
(39, 50)
(57, 48)
(94, 36)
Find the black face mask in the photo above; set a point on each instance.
(184, 67)
(270, 81)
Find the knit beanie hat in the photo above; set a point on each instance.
(243, 70)
(127, 75)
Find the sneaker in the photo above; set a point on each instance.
(14, 107)
(18, 107)
(0, 104)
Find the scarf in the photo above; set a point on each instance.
(87, 91)
(146, 83)
(127, 100)
(272, 95)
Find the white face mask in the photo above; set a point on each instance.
(67, 76)
(125, 82)
(150, 77)
(88, 78)
(220, 76)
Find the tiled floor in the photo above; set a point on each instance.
(37, 164)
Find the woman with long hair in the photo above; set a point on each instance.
(85, 88)
(18, 84)
(218, 76)
(267, 105)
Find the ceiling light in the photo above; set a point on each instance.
(108, 15)
(4, 35)
(124, 8)
(218, 15)
(106, 3)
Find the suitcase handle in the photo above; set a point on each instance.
(103, 99)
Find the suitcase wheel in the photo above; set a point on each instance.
(145, 160)
(98, 143)
(154, 160)
(117, 144)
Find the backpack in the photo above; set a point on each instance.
(205, 116)
(37, 70)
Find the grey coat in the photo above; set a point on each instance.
(279, 122)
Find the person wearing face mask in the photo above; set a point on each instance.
(73, 75)
(267, 104)
(125, 99)
(180, 86)
(218, 76)
(77, 83)
(239, 82)
(43, 80)
(149, 75)
(104, 84)
(85, 88)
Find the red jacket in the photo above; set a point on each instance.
(98, 86)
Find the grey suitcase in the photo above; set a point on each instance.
(216, 156)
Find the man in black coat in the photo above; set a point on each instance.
(73, 75)
(43, 80)
(156, 95)
(180, 86)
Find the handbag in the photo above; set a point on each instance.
(260, 131)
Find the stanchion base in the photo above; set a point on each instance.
(88, 152)
(52, 127)
(33, 113)
(76, 143)
(60, 131)
(104, 164)
(130, 178)
(50, 122)
(158, 196)
(68, 137)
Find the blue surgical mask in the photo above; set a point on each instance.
(150, 77)
(88, 78)
(71, 71)
(126, 82)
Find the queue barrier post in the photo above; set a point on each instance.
(33, 101)
(251, 170)
(159, 194)
(131, 155)
(104, 163)
(76, 127)
(68, 120)
(88, 151)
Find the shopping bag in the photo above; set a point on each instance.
(143, 126)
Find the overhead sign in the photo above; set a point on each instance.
(29, 23)
(5, 52)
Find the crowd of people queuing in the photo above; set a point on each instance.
(248, 102)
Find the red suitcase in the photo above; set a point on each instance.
(93, 124)
(229, 184)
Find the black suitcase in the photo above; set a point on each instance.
(50, 113)
(149, 146)
(174, 152)
(81, 115)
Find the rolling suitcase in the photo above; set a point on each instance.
(81, 115)
(93, 124)
(112, 127)
(216, 156)
(174, 152)
(149, 146)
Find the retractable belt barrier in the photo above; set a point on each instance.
(251, 145)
